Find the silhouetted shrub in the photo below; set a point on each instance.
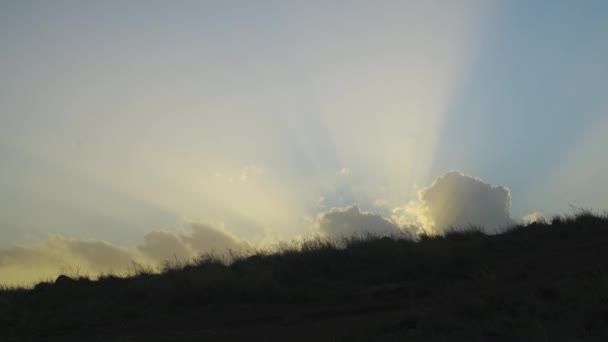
(467, 233)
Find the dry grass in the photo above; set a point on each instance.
(544, 281)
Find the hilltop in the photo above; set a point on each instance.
(547, 281)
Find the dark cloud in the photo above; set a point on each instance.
(162, 246)
(26, 264)
(27, 256)
(207, 238)
(99, 255)
(351, 220)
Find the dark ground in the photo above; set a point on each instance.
(543, 282)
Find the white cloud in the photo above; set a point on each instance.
(533, 217)
(23, 264)
(452, 199)
(414, 215)
(351, 220)
(455, 199)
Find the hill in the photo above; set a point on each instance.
(541, 282)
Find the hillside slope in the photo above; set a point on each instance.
(542, 282)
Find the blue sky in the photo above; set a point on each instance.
(118, 119)
(536, 91)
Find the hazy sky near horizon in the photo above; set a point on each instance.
(119, 118)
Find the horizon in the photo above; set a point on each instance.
(143, 132)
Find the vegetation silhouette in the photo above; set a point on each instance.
(546, 281)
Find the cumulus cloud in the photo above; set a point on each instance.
(455, 199)
(164, 245)
(414, 215)
(23, 264)
(99, 255)
(351, 220)
(203, 237)
(58, 251)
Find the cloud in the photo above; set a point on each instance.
(99, 255)
(180, 244)
(533, 217)
(24, 264)
(164, 245)
(58, 251)
(414, 215)
(203, 237)
(351, 220)
(455, 199)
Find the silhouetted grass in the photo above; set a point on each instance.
(467, 233)
(543, 281)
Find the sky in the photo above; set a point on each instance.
(140, 131)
